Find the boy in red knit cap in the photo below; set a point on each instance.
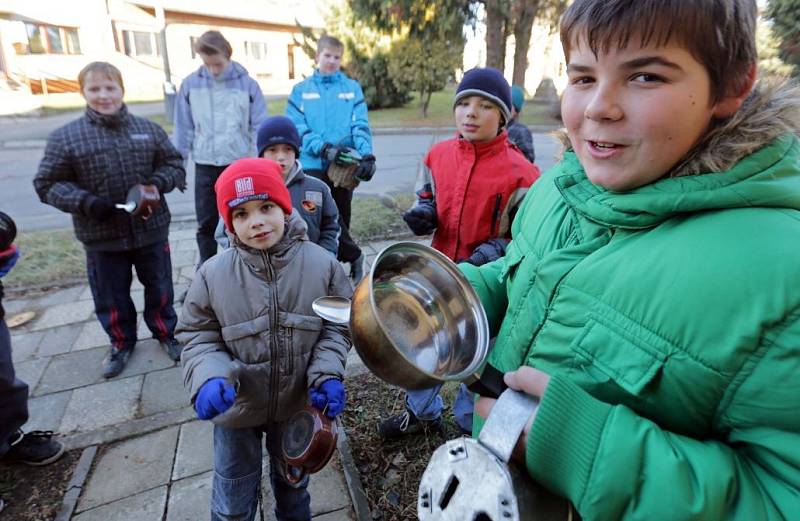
(255, 352)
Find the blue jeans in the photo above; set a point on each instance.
(13, 393)
(427, 405)
(237, 477)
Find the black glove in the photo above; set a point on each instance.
(100, 208)
(339, 154)
(366, 168)
(421, 218)
(489, 251)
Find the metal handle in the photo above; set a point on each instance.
(506, 422)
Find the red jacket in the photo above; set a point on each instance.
(475, 187)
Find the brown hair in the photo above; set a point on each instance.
(720, 34)
(211, 43)
(329, 42)
(104, 68)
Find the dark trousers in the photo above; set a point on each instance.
(110, 278)
(348, 249)
(13, 393)
(205, 207)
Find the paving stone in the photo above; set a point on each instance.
(100, 405)
(185, 258)
(59, 340)
(138, 300)
(355, 365)
(184, 244)
(17, 305)
(148, 356)
(62, 296)
(187, 272)
(131, 467)
(62, 314)
(92, 335)
(86, 294)
(195, 452)
(72, 370)
(45, 412)
(136, 285)
(328, 489)
(345, 514)
(23, 346)
(31, 371)
(190, 498)
(184, 234)
(147, 506)
(163, 391)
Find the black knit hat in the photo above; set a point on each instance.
(277, 130)
(488, 83)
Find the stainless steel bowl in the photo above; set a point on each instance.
(416, 321)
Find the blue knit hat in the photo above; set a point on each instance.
(488, 83)
(277, 130)
(517, 97)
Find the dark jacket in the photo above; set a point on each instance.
(520, 136)
(248, 317)
(312, 198)
(104, 156)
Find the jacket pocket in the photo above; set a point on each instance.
(249, 341)
(619, 350)
(299, 334)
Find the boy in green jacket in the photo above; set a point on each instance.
(649, 297)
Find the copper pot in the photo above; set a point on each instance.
(141, 201)
(307, 443)
(416, 322)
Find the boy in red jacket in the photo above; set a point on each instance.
(469, 189)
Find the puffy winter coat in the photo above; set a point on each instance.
(102, 155)
(476, 188)
(329, 108)
(216, 118)
(669, 319)
(247, 317)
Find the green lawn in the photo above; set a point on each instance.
(440, 113)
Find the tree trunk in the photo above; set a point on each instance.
(426, 101)
(496, 34)
(525, 12)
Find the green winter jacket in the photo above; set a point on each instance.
(669, 320)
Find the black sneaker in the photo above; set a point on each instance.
(405, 423)
(357, 269)
(35, 448)
(115, 362)
(173, 347)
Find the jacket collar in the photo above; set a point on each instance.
(749, 160)
(487, 147)
(233, 71)
(296, 174)
(327, 78)
(116, 120)
(280, 254)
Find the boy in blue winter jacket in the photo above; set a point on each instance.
(330, 114)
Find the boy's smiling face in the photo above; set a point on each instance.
(477, 118)
(283, 155)
(258, 223)
(632, 114)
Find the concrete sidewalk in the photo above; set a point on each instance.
(148, 457)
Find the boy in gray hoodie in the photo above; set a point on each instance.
(255, 352)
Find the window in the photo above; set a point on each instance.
(255, 50)
(192, 43)
(141, 43)
(51, 39)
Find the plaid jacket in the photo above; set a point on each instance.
(104, 156)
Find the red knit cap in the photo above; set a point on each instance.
(248, 179)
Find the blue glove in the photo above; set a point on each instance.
(8, 258)
(214, 397)
(331, 395)
(489, 251)
(421, 218)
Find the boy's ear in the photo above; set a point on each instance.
(727, 106)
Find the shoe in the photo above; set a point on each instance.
(35, 448)
(173, 348)
(115, 362)
(357, 269)
(405, 423)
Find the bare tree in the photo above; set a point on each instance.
(524, 13)
(497, 32)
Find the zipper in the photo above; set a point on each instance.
(498, 199)
(273, 345)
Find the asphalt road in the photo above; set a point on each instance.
(399, 156)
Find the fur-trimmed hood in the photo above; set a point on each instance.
(772, 109)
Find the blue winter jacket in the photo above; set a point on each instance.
(216, 118)
(329, 108)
